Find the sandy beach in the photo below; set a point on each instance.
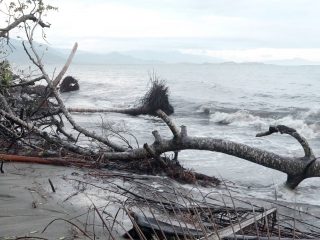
(28, 204)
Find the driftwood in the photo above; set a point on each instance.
(41, 160)
(237, 227)
(18, 127)
(4, 32)
(151, 226)
(297, 169)
(157, 97)
(246, 237)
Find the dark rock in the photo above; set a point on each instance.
(69, 84)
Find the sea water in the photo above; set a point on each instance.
(228, 101)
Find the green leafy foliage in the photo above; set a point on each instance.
(6, 74)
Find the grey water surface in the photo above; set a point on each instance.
(229, 101)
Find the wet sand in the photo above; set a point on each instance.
(28, 204)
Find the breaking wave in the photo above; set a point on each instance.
(244, 118)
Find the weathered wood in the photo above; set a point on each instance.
(175, 131)
(236, 227)
(293, 179)
(155, 101)
(246, 237)
(292, 132)
(32, 128)
(24, 18)
(298, 168)
(129, 111)
(150, 226)
(39, 160)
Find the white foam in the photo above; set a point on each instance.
(240, 118)
(244, 118)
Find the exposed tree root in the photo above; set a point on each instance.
(156, 98)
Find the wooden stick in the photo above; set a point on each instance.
(38, 160)
(229, 231)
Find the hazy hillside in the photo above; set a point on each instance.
(52, 55)
(55, 55)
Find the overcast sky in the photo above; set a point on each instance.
(240, 30)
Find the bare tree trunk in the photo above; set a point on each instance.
(130, 111)
(297, 169)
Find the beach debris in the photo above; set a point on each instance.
(51, 185)
(1, 167)
(69, 84)
(151, 226)
(34, 204)
(157, 97)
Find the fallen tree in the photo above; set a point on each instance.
(157, 97)
(41, 126)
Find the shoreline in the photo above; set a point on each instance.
(28, 205)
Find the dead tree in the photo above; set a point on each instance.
(157, 97)
(297, 169)
(15, 123)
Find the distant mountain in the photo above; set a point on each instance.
(173, 57)
(108, 58)
(57, 56)
(17, 54)
(292, 62)
(54, 55)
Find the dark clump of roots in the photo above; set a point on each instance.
(157, 98)
(166, 167)
(69, 84)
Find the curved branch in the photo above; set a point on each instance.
(22, 19)
(297, 169)
(175, 131)
(292, 132)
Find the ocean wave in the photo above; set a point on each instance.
(244, 118)
(238, 118)
(311, 115)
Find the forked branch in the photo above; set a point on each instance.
(22, 19)
(292, 132)
(297, 169)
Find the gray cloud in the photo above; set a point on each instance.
(188, 24)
